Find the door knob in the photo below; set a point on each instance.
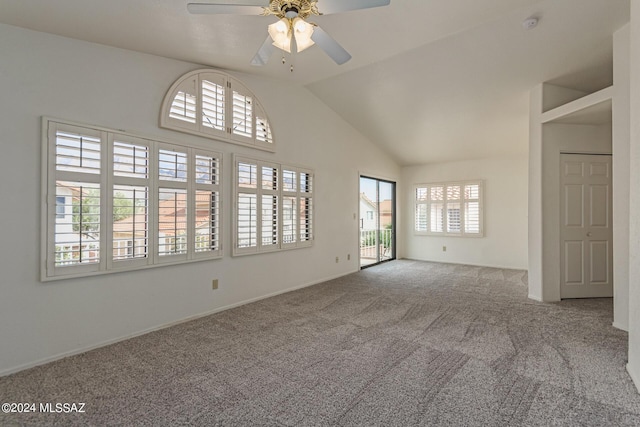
(589, 234)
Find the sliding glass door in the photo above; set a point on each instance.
(377, 221)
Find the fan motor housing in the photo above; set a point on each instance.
(292, 8)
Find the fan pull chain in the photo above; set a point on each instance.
(284, 61)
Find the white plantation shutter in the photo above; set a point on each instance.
(421, 212)
(274, 207)
(472, 209)
(207, 236)
(189, 204)
(111, 197)
(77, 233)
(207, 204)
(289, 181)
(453, 217)
(289, 207)
(306, 206)
(258, 225)
(173, 204)
(270, 203)
(182, 110)
(263, 136)
(172, 221)
(246, 218)
(421, 217)
(183, 107)
(306, 219)
(242, 125)
(247, 175)
(247, 221)
(289, 220)
(129, 201)
(436, 215)
(263, 131)
(75, 204)
(172, 165)
(452, 209)
(214, 104)
(130, 229)
(131, 160)
(76, 152)
(270, 223)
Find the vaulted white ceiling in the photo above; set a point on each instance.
(430, 80)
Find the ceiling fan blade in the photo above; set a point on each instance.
(264, 53)
(229, 7)
(330, 46)
(327, 7)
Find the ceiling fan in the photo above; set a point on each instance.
(291, 31)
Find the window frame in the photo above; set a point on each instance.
(108, 182)
(259, 191)
(461, 201)
(261, 138)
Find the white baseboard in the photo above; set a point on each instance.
(59, 356)
(620, 326)
(634, 378)
(465, 263)
(535, 298)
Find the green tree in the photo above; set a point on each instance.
(86, 210)
(122, 207)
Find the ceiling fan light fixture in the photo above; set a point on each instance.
(292, 27)
(302, 32)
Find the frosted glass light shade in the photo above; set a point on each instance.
(302, 32)
(281, 35)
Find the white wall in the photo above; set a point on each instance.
(505, 214)
(536, 106)
(621, 169)
(634, 203)
(47, 75)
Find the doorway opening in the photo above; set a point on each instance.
(377, 221)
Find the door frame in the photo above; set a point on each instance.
(394, 210)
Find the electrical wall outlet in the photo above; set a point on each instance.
(444, 249)
(214, 284)
(337, 260)
(348, 257)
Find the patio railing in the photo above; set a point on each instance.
(374, 242)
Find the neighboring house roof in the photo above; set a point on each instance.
(168, 216)
(367, 200)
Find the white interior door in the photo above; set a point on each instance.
(586, 235)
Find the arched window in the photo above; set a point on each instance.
(213, 104)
